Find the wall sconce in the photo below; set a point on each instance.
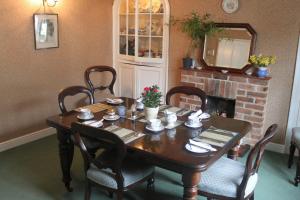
(50, 3)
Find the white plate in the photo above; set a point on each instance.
(114, 101)
(85, 117)
(195, 149)
(93, 123)
(193, 126)
(148, 127)
(110, 118)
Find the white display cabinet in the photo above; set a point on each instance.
(141, 39)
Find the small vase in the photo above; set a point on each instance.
(187, 62)
(151, 113)
(262, 72)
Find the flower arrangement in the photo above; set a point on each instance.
(151, 96)
(262, 61)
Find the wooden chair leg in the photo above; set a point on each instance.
(111, 194)
(119, 195)
(252, 197)
(291, 156)
(297, 178)
(150, 184)
(87, 195)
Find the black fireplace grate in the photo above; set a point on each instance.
(220, 106)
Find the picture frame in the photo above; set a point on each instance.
(45, 31)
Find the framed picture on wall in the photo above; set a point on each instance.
(45, 31)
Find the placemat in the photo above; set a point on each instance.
(98, 107)
(184, 112)
(179, 111)
(125, 134)
(217, 137)
(163, 107)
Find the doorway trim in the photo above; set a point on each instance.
(295, 102)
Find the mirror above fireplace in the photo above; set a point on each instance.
(230, 48)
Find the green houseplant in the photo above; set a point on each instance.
(196, 27)
(151, 99)
(262, 62)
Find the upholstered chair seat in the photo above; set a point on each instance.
(229, 176)
(228, 179)
(113, 169)
(131, 171)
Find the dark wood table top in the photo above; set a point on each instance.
(166, 149)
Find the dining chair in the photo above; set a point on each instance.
(187, 90)
(228, 179)
(72, 91)
(89, 72)
(295, 143)
(112, 170)
(92, 146)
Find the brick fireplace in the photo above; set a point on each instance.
(249, 92)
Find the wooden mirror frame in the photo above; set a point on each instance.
(252, 47)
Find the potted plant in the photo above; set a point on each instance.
(196, 27)
(151, 100)
(262, 62)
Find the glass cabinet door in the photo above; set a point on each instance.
(127, 27)
(123, 27)
(141, 24)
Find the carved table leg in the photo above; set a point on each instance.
(297, 178)
(234, 152)
(190, 181)
(66, 152)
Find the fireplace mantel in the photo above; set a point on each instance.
(250, 93)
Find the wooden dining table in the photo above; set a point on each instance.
(165, 149)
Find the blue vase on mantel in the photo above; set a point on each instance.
(262, 72)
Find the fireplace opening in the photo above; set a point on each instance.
(220, 106)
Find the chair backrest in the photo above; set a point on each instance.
(90, 70)
(187, 90)
(254, 159)
(72, 91)
(114, 149)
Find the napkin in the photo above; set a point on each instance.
(139, 100)
(202, 145)
(195, 114)
(93, 123)
(195, 149)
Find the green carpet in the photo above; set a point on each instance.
(32, 172)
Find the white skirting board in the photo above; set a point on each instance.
(26, 139)
(279, 148)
